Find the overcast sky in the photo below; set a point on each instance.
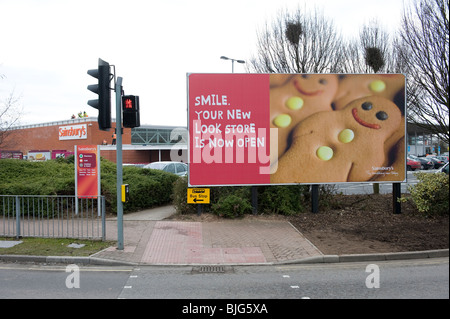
(47, 46)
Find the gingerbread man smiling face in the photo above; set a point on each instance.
(298, 97)
(340, 146)
(355, 86)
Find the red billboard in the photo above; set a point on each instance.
(258, 129)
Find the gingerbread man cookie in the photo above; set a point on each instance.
(395, 163)
(279, 79)
(355, 86)
(340, 146)
(297, 98)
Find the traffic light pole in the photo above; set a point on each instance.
(118, 89)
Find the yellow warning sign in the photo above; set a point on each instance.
(198, 196)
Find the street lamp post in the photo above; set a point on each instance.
(232, 62)
(254, 188)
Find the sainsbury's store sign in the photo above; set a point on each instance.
(73, 132)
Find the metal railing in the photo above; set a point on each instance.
(52, 216)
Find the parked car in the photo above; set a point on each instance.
(178, 168)
(444, 169)
(443, 158)
(412, 165)
(437, 162)
(424, 163)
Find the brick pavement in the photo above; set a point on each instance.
(223, 242)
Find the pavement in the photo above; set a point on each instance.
(151, 239)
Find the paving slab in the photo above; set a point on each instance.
(9, 243)
(214, 242)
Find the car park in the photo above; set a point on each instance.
(412, 165)
(424, 162)
(177, 168)
(443, 158)
(436, 161)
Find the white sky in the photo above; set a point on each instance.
(47, 46)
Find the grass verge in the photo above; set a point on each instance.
(54, 247)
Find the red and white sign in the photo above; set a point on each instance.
(73, 132)
(87, 171)
(229, 129)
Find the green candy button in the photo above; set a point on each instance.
(346, 136)
(282, 120)
(377, 86)
(294, 103)
(325, 153)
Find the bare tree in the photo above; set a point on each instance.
(298, 43)
(10, 113)
(372, 52)
(423, 49)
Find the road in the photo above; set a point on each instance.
(385, 188)
(416, 279)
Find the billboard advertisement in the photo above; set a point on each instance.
(38, 156)
(260, 129)
(11, 154)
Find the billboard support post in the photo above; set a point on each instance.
(254, 200)
(396, 194)
(315, 198)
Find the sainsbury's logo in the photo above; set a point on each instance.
(73, 132)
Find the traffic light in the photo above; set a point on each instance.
(130, 111)
(103, 103)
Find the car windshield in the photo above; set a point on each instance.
(180, 168)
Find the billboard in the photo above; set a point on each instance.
(11, 154)
(37, 156)
(260, 129)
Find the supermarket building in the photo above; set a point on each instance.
(141, 145)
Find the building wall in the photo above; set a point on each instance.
(50, 137)
(47, 136)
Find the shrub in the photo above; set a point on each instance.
(36, 178)
(430, 195)
(180, 197)
(151, 187)
(148, 188)
(232, 206)
(282, 199)
(233, 201)
(217, 196)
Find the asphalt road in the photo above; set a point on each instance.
(412, 279)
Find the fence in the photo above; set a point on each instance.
(52, 216)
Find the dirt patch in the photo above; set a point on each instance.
(366, 224)
(362, 224)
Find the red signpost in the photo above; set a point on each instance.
(87, 171)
